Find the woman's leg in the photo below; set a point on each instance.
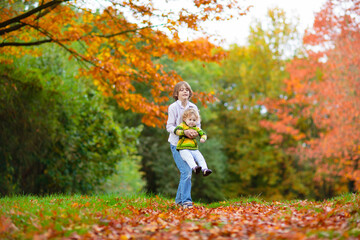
(184, 189)
(188, 158)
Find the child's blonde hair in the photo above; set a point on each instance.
(177, 89)
(191, 111)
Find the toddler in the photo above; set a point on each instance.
(188, 147)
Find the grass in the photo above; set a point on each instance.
(67, 214)
(63, 216)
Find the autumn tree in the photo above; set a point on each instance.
(321, 109)
(251, 74)
(119, 43)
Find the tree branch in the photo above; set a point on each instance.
(18, 44)
(10, 29)
(128, 31)
(20, 25)
(31, 12)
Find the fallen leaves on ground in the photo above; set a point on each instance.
(124, 219)
(301, 220)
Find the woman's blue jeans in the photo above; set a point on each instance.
(184, 189)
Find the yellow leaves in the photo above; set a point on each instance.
(80, 205)
(124, 237)
(88, 17)
(104, 55)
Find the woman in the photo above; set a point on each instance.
(182, 94)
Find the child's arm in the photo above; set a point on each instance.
(179, 130)
(202, 134)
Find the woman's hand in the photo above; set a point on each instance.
(191, 133)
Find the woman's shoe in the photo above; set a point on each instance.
(187, 205)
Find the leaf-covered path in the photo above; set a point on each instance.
(157, 218)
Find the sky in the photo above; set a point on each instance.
(237, 31)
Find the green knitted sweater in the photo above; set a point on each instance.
(185, 142)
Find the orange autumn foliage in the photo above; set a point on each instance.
(324, 88)
(120, 44)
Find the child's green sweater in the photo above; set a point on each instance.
(185, 142)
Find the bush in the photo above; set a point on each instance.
(56, 133)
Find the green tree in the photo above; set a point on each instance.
(251, 74)
(56, 133)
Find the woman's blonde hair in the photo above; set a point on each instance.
(191, 111)
(177, 89)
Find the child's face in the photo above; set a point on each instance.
(191, 120)
(183, 93)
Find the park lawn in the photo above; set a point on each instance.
(154, 217)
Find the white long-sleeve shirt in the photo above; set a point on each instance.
(175, 112)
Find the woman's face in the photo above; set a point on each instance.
(183, 93)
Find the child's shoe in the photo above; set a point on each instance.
(207, 172)
(197, 169)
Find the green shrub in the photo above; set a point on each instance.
(56, 132)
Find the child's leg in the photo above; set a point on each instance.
(199, 159)
(188, 158)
